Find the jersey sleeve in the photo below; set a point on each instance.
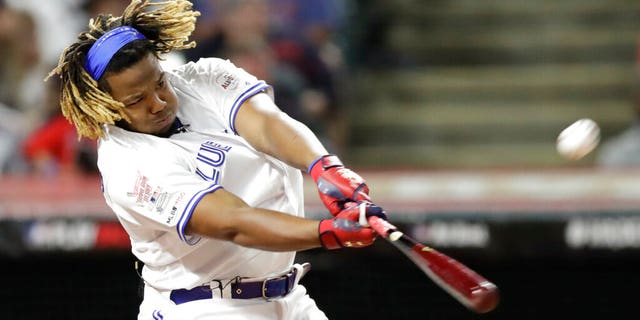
(226, 85)
(159, 195)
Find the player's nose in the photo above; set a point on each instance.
(158, 104)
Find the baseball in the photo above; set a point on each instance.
(578, 139)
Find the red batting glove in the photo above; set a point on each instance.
(345, 231)
(337, 185)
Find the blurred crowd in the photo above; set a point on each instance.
(294, 45)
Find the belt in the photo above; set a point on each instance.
(269, 288)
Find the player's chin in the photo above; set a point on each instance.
(163, 127)
(162, 131)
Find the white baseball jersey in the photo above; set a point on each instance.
(153, 184)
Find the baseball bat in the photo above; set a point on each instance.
(465, 285)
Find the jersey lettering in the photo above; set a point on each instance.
(211, 157)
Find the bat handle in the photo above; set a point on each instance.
(384, 228)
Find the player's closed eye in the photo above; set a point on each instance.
(133, 102)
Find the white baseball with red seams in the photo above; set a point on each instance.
(578, 139)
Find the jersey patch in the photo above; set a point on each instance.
(151, 198)
(174, 209)
(227, 81)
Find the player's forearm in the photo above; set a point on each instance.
(274, 231)
(222, 215)
(265, 229)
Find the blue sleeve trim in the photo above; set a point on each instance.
(188, 211)
(257, 88)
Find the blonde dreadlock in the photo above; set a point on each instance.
(167, 25)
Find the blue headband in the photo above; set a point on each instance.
(106, 46)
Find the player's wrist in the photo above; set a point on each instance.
(322, 164)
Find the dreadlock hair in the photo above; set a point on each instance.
(86, 102)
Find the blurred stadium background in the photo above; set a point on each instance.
(450, 110)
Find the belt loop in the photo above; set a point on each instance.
(216, 284)
(301, 270)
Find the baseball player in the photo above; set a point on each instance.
(204, 171)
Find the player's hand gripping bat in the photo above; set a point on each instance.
(469, 288)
